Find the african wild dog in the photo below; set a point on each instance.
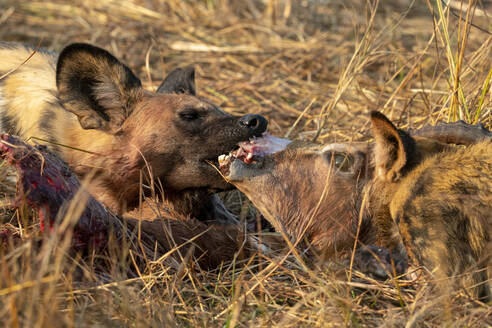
(95, 114)
(410, 193)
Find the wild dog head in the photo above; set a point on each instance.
(431, 197)
(316, 191)
(172, 131)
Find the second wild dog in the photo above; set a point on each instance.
(410, 194)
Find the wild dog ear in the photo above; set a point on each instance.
(180, 80)
(392, 148)
(96, 87)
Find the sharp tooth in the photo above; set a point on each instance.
(224, 159)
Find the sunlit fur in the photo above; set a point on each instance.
(92, 111)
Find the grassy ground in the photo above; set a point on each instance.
(314, 68)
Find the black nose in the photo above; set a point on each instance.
(257, 124)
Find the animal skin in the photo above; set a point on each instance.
(409, 194)
(92, 111)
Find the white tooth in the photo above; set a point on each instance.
(223, 159)
(250, 156)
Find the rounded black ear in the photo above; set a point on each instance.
(96, 87)
(393, 148)
(180, 80)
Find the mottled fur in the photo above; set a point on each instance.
(440, 200)
(93, 111)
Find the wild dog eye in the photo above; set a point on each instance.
(343, 162)
(189, 115)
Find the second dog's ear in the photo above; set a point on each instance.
(180, 80)
(96, 87)
(392, 147)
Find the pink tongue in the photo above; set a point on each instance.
(262, 146)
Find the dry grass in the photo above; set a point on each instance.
(314, 68)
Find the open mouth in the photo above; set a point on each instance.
(248, 152)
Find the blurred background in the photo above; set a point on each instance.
(313, 67)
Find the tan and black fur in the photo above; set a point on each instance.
(441, 202)
(93, 112)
